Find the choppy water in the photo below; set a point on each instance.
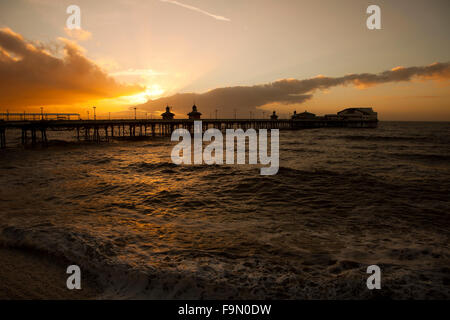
(343, 199)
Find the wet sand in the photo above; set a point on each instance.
(26, 274)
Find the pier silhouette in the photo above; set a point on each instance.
(34, 127)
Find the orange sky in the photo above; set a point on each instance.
(225, 56)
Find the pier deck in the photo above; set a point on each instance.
(97, 130)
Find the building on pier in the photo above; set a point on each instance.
(358, 114)
(167, 115)
(331, 117)
(303, 115)
(194, 114)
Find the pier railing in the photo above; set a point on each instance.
(23, 116)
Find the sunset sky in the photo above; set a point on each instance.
(248, 55)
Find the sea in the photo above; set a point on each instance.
(342, 200)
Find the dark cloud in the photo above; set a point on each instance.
(31, 75)
(289, 91)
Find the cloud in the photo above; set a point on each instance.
(78, 34)
(30, 75)
(290, 91)
(138, 72)
(221, 18)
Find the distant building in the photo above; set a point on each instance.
(167, 115)
(194, 114)
(303, 115)
(358, 114)
(274, 116)
(331, 117)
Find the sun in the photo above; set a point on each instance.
(151, 92)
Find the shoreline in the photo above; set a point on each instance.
(32, 275)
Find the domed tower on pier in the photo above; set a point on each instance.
(167, 115)
(274, 116)
(194, 114)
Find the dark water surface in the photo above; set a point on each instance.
(343, 199)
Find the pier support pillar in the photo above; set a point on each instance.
(33, 136)
(44, 140)
(24, 136)
(2, 138)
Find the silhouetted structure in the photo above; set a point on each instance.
(194, 114)
(167, 115)
(98, 130)
(294, 116)
(274, 116)
(358, 114)
(303, 115)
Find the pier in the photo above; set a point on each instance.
(34, 132)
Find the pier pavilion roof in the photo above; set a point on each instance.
(167, 115)
(194, 114)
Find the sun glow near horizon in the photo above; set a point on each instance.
(152, 92)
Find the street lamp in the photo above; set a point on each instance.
(135, 114)
(42, 113)
(95, 117)
(88, 114)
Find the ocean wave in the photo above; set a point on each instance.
(151, 166)
(383, 138)
(219, 274)
(424, 157)
(301, 150)
(206, 277)
(98, 161)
